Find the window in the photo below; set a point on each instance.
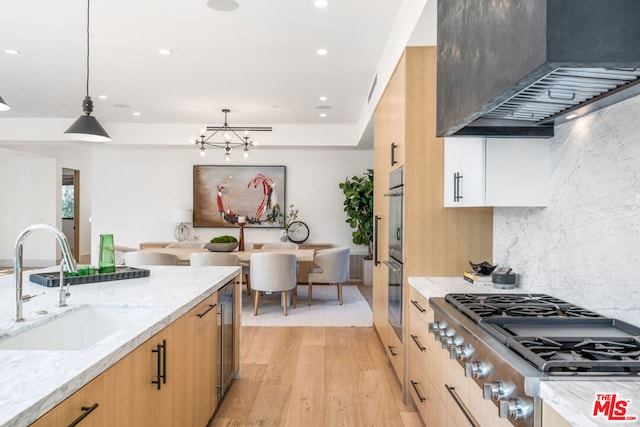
(67, 201)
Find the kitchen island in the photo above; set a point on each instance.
(35, 381)
(573, 400)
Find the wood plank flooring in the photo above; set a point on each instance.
(313, 376)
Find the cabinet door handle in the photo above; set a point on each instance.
(415, 387)
(418, 306)
(376, 260)
(393, 353)
(204, 313)
(415, 340)
(463, 408)
(393, 153)
(456, 187)
(86, 410)
(161, 349)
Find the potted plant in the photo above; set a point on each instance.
(358, 204)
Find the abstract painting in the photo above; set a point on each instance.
(222, 194)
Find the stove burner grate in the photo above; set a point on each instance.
(578, 354)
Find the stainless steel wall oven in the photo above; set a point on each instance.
(395, 194)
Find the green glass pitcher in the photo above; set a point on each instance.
(107, 262)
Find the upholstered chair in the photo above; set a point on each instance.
(149, 258)
(200, 259)
(273, 272)
(333, 268)
(280, 245)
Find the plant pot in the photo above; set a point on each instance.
(367, 272)
(222, 247)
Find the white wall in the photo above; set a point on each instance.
(134, 190)
(585, 246)
(27, 196)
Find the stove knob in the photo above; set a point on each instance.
(498, 390)
(461, 352)
(452, 340)
(477, 369)
(446, 332)
(434, 326)
(516, 409)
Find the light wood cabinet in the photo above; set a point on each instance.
(551, 418)
(496, 172)
(437, 241)
(82, 404)
(169, 380)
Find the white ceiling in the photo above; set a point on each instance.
(259, 60)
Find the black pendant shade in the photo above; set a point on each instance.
(86, 127)
(3, 105)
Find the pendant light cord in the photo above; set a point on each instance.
(88, 2)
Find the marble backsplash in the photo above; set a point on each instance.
(585, 246)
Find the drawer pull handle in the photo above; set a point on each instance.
(211, 307)
(463, 408)
(86, 411)
(393, 353)
(418, 306)
(415, 340)
(415, 387)
(162, 364)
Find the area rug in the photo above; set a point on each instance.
(324, 311)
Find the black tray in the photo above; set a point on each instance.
(52, 279)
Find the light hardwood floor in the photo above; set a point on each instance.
(313, 376)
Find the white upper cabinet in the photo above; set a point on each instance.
(464, 179)
(496, 172)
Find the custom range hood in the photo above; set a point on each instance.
(517, 67)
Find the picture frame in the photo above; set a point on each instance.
(224, 195)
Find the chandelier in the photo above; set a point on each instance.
(233, 137)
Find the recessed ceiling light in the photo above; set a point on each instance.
(223, 5)
(103, 97)
(322, 52)
(165, 51)
(572, 116)
(137, 113)
(323, 114)
(322, 98)
(321, 3)
(12, 52)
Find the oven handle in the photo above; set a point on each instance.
(463, 408)
(376, 261)
(394, 266)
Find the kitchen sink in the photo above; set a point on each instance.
(76, 329)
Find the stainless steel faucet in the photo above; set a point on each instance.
(67, 259)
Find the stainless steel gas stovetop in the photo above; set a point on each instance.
(508, 343)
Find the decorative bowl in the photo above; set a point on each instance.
(483, 269)
(221, 247)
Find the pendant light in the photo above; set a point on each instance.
(86, 127)
(3, 105)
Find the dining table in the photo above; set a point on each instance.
(183, 254)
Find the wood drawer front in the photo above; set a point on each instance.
(419, 304)
(425, 397)
(420, 340)
(395, 352)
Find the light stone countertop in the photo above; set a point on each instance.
(574, 400)
(33, 382)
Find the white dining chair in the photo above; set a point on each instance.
(273, 272)
(149, 258)
(333, 268)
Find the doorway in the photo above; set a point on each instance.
(70, 209)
